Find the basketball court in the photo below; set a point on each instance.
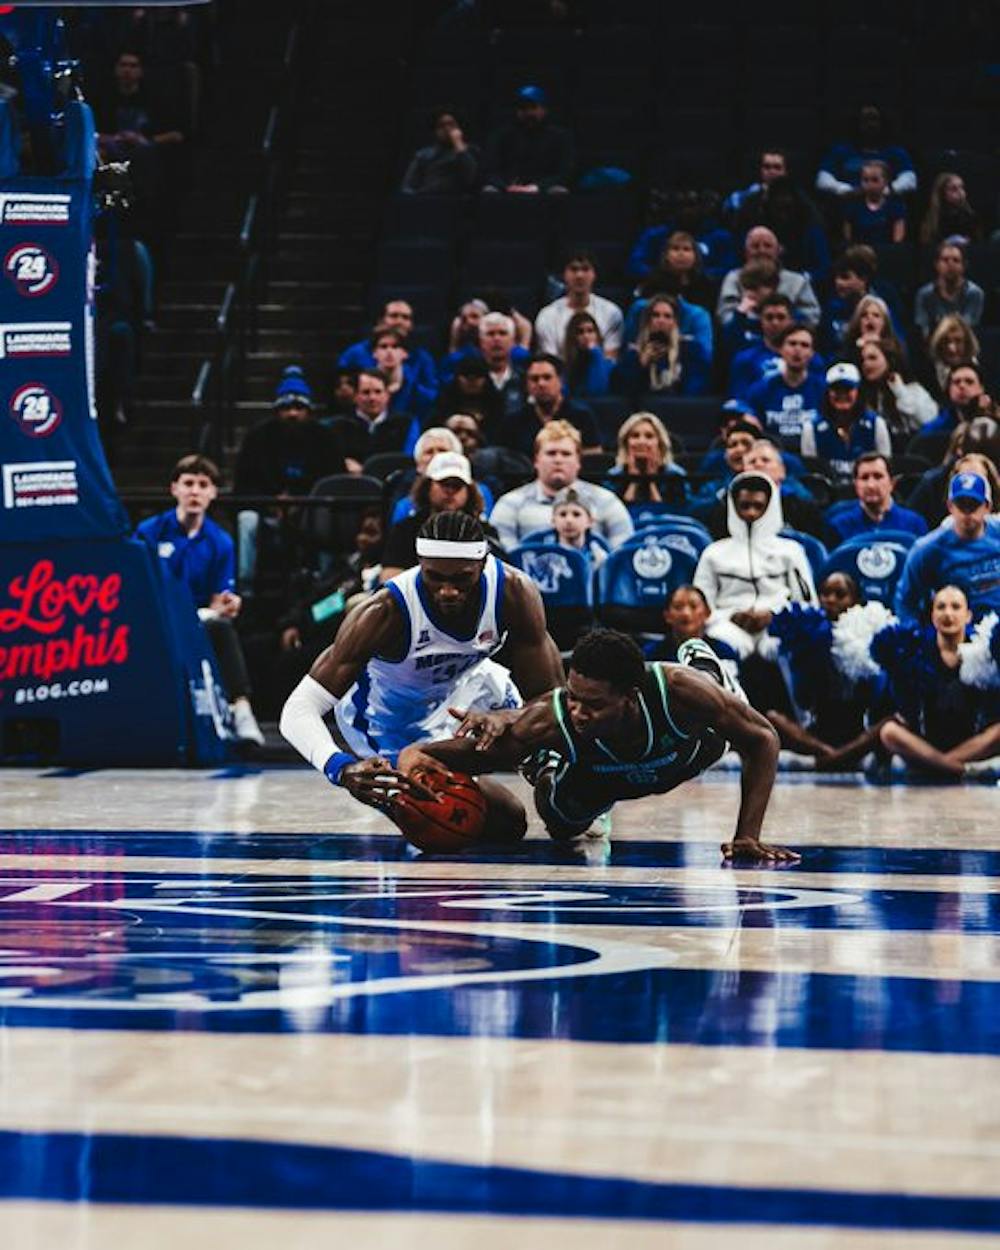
(239, 1011)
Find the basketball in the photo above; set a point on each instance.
(452, 822)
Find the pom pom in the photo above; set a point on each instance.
(853, 633)
(980, 656)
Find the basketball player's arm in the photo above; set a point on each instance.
(535, 663)
(532, 727)
(372, 628)
(701, 704)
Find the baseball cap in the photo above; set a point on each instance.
(450, 464)
(969, 486)
(843, 374)
(530, 94)
(293, 389)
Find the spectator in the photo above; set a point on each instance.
(874, 508)
(396, 314)
(373, 426)
(447, 486)
(645, 451)
(876, 217)
(840, 170)
(588, 370)
(762, 359)
(738, 437)
(467, 338)
(836, 707)
(976, 441)
(949, 723)
(679, 273)
(758, 282)
(685, 615)
(762, 244)
(530, 154)
(463, 333)
(966, 552)
(843, 429)
(695, 212)
(468, 431)
(497, 301)
(579, 275)
(407, 392)
(967, 398)
(662, 362)
(448, 166)
(951, 294)
(344, 394)
(949, 214)
(872, 320)
(787, 399)
(783, 208)
(505, 362)
(557, 466)
(905, 406)
(952, 343)
(773, 164)
(753, 573)
(201, 555)
(432, 442)
(573, 521)
(545, 402)
(798, 505)
(470, 390)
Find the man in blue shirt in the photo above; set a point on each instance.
(964, 551)
(763, 359)
(396, 315)
(201, 554)
(875, 508)
(784, 400)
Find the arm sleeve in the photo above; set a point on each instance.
(729, 298)
(911, 588)
(825, 181)
(974, 308)
(503, 518)
(806, 304)
(613, 338)
(883, 443)
(225, 566)
(546, 339)
(617, 523)
(707, 582)
(805, 590)
(302, 724)
(912, 400)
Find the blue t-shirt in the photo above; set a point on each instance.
(757, 362)
(874, 225)
(943, 559)
(846, 522)
(206, 562)
(784, 409)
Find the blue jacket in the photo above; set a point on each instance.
(844, 523)
(942, 558)
(758, 361)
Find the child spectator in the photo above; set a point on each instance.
(588, 370)
(843, 429)
(949, 214)
(951, 294)
(685, 615)
(662, 361)
(876, 217)
(573, 520)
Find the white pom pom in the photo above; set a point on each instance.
(853, 632)
(976, 665)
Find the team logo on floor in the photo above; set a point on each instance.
(35, 409)
(31, 269)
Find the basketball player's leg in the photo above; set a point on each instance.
(506, 819)
(566, 806)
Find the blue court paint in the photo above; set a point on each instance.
(111, 1168)
(340, 847)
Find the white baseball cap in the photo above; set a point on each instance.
(450, 464)
(843, 374)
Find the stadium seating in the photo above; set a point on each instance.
(875, 561)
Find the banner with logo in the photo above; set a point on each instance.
(54, 479)
(103, 659)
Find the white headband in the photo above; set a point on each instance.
(440, 548)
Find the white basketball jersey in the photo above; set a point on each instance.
(393, 701)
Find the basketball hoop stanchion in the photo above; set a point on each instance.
(102, 658)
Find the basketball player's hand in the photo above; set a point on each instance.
(375, 782)
(413, 762)
(485, 728)
(751, 851)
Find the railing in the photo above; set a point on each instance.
(219, 379)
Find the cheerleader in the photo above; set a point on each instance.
(946, 684)
(837, 706)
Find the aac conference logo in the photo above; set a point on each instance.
(35, 410)
(31, 269)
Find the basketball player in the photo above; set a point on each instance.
(418, 645)
(621, 729)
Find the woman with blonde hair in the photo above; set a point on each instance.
(662, 361)
(645, 452)
(953, 342)
(871, 320)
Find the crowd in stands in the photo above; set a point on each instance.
(748, 425)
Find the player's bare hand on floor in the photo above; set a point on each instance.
(750, 851)
(375, 782)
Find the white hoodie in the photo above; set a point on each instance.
(752, 570)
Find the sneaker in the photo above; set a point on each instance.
(697, 654)
(245, 723)
(984, 770)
